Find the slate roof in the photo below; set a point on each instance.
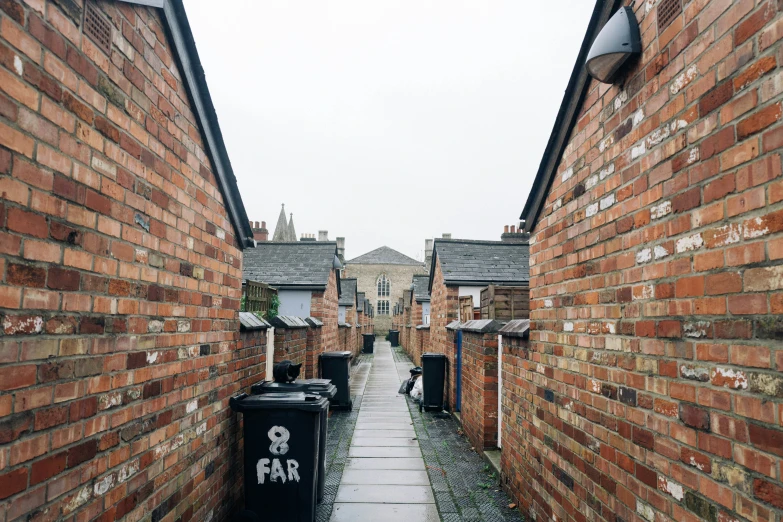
(348, 293)
(173, 14)
(384, 256)
(480, 263)
(421, 287)
(302, 264)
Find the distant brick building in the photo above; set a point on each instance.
(652, 386)
(306, 276)
(383, 275)
(121, 237)
(463, 267)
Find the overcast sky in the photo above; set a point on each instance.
(388, 121)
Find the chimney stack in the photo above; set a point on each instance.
(512, 235)
(341, 248)
(307, 237)
(447, 235)
(323, 235)
(427, 253)
(260, 233)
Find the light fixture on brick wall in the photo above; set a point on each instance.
(617, 41)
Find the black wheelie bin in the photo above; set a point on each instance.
(281, 440)
(434, 375)
(394, 337)
(321, 387)
(368, 341)
(336, 366)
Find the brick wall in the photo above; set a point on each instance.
(344, 338)
(479, 412)
(315, 348)
(119, 279)
(443, 310)
(422, 343)
(291, 345)
(654, 388)
(324, 306)
(519, 429)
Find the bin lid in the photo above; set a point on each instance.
(279, 401)
(368, 335)
(322, 387)
(345, 355)
(432, 354)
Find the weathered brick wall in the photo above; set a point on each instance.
(444, 303)
(324, 306)
(519, 428)
(291, 345)
(119, 279)
(422, 344)
(315, 347)
(343, 337)
(479, 412)
(656, 277)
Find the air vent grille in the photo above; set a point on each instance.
(97, 27)
(668, 10)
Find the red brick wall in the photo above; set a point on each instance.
(422, 343)
(324, 306)
(315, 348)
(119, 280)
(519, 430)
(291, 345)
(444, 304)
(654, 387)
(479, 411)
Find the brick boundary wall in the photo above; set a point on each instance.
(516, 459)
(655, 385)
(325, 307)
(422, 343)
(119, 279)
(291, 344)
(315, 347)
(479, 405)
(444, 301)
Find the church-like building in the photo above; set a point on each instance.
(383, 274)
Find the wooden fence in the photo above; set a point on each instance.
(257, 296)
(505, 303)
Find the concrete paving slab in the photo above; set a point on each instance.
(381, 463)
(385, 513)
(387, 476)
(359, 434)
(373, 452)
(387, 442)
(385, 494)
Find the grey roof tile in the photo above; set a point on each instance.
(288, 321)
(250, 321)
(516, 328)
(302, 263)
(482, 262)
(421, 285)
(348, 292)
(384, 256)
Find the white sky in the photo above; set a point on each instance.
(388, 121)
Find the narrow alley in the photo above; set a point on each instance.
(392, 469)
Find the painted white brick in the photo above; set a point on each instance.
(607, 202)
(686, 244)
(592, 210)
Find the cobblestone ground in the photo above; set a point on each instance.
(466, 488)
(340, 430)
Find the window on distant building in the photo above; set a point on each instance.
(383, 307)
(384, 288)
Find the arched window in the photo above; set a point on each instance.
(384, 286)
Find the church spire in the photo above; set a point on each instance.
(291, 229)
(281, 229)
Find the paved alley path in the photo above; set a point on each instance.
(384, 478)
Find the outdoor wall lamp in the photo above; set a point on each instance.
(617, 41)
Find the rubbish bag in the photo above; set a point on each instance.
(418, 389)
(404, 387)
